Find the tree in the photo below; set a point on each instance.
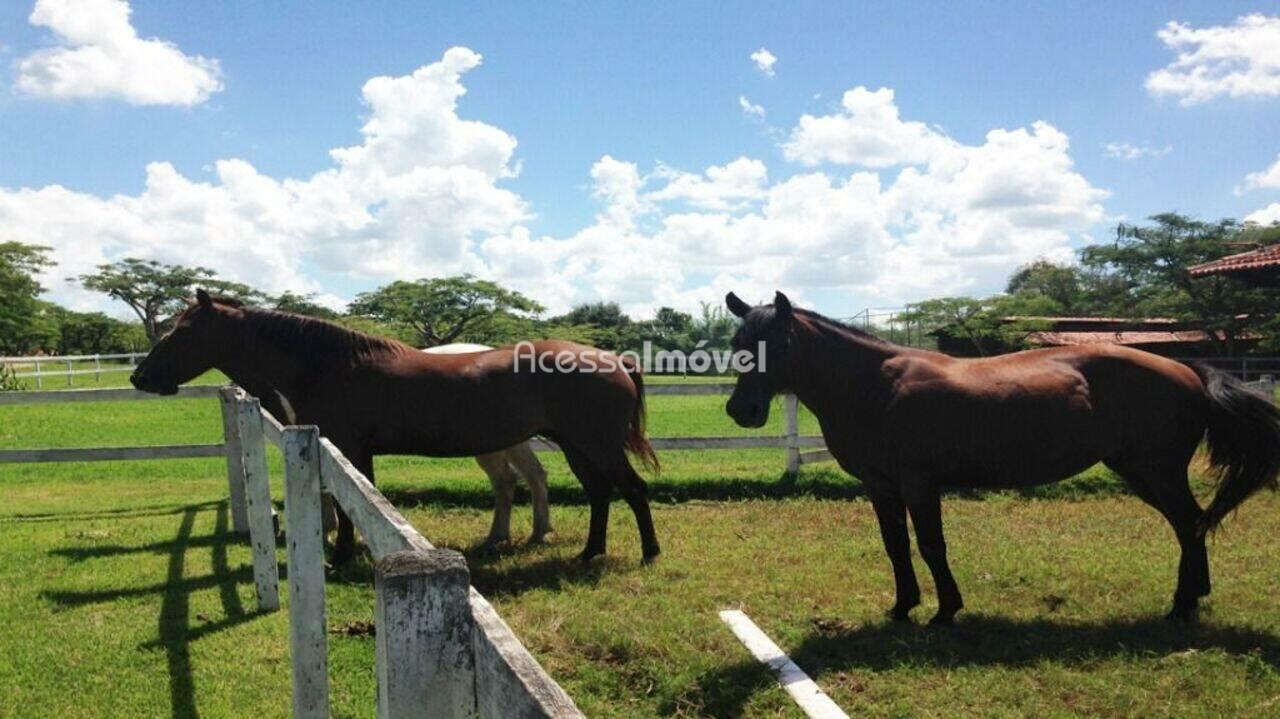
(604, 322)
(155, 291)
(714, 326)
(991, 326)
(19, 293)
(669, 328)
(301, 305)
(1149, 263)
(441, 310)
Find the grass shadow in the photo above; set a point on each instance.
(123, 513)
(175, 629)
(976, 640)
(493, 578)
(820, 485)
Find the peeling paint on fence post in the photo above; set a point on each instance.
(425, 662)
(257, 489)
(793, 433)
(308, 644)
(227, 396)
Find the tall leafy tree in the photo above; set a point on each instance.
(19, 293)
(301, 305)
(985, 324)
(155, 291)
(1150, 263)
(444, 310)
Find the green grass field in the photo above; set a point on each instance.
(122, 594)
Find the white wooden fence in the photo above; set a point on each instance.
(442, 650)
(42, 367)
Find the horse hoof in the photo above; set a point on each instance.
(1182, 615)
(900, 614)
(587, 555)
(650, 558)
(537, 539)
(942, 619)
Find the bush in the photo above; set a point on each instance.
(9, 381)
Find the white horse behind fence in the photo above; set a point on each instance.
(503, 468)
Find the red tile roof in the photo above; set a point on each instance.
(1116, 338)
(1264, 258)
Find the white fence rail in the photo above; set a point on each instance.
(42, 367)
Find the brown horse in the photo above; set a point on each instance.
(371, 395)
(910, 423)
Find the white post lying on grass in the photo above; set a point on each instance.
(257, 490)
(793, 433)
(308, 644)
(425, 663)
(813, 702)
(227, 396)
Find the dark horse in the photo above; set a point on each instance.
(371, 395)
(910, 423)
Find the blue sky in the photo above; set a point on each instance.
(656, 88)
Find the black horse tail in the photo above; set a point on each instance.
(636, 443)
(1244, 443)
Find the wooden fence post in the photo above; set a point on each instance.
(257, 490)
(235, 456)
(793, 433)
(425, 660)
(308, 643)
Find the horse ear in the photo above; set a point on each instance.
(203, 298)
(736, 306)
(782, 306)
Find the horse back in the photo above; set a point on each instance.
(1036, 416)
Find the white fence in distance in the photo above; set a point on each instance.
(42, 367)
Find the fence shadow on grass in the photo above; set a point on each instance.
(976, 640)
(823, 483)
(175, 630)
(492, 578)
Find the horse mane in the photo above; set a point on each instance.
(317, 340)
(761, 317)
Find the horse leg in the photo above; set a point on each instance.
(344, 546)
(636, 493)
(891, 513)
(526, 464)
(1169, 492)
(925, 506)
(494, 465)
(599, 493)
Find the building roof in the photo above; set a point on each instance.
(1265, 258)
(1117, 338)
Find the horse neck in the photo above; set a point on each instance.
(262, 367)
(833, 372)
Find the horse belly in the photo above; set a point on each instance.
(1014, 444)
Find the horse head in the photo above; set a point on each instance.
(195, 344)
(764, 335)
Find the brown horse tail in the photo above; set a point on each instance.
(1244, 443)
(636, 442)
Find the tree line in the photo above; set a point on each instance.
(425, 312)
(1141, 273)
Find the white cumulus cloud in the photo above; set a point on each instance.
(1266, 216)
(99, 55)
(867, 132)
(764, 61)
(1238, 60)
(913, 213)
(1262, 179)
(409, 201)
